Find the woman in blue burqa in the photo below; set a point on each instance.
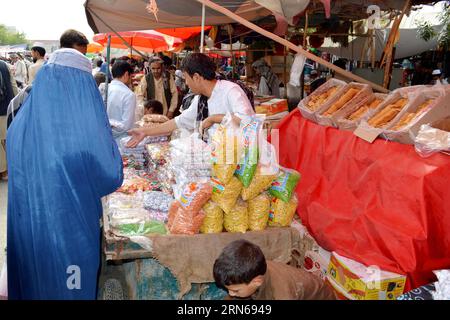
(62, 159)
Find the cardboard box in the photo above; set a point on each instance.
(272, 107)
(303, 104)
(350, 125)
(317, 262)
(438, 109)
(369, 133)
(359, 282)
(332, 121)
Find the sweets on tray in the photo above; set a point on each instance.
(388, 113)
(317, 100)
(410, 116)
(363, 109)
(345, 98)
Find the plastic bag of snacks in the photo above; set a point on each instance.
(260, 183)
(213, 222)
(134, 184)
(195, 195)
(285, 184)
(136, 229)
(224, 153)
(226, 195)
(183, 221)
(282, 213)
(258, 212)
(237, 219)
(250, 130)
(156, 200)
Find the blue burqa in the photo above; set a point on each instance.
(62, 159)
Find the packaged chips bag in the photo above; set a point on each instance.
(282, 213)
(260, 183)
(195, 195)
(181, 221)
(285, 184)
(237, 219)
(258, 212)
(249, 155)
(226, 195)
(224, 153)
(213, 222)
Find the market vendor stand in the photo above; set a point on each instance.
(380, 204)
(145, 273)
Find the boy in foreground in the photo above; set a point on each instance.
(242, 270)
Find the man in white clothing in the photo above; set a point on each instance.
(121, 100)
(214, 99)
(20, 71)
(38, 54)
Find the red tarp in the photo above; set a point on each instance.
(183, 33)
(379, 204)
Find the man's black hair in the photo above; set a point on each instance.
(120, 68)
(71, 37)
(240, 262)
(99, 63)
(155, 105)
(39, 50)
(201, 64)
(172, 67)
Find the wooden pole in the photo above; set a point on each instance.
(302, 76)
(202, 36)
(233, 60)
(290, 45)
(285, 71)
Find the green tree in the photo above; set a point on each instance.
(11, 38)
(427, 32)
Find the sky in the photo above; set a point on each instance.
(45, 19)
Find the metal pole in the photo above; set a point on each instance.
(202, 37)
(108, 55)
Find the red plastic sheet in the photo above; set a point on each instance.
(379, 204)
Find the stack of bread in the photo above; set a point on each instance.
(363, 109)
(387, 114)
(410, 116)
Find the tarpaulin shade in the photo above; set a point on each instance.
(379, 204)
(125, 15)
(183, 33)
(149, 41)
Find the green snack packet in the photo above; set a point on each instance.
(284, 185)
(249, 161)
(138, 229)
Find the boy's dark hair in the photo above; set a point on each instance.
(155, 105)
(201, 64)
(72, 37)
(39, 50)
(120, 68)
(172, 67)
(99, 63)
(240, 262)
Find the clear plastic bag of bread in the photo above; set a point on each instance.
(258, 212)
(225, 149)
(282, 213)
(226, 195)
(213, 222)
(384, 116)
(250, 131)
(181, 221)
(236, 220)
(266, 171)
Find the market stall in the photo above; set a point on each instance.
(378, 203)
(184, 199)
